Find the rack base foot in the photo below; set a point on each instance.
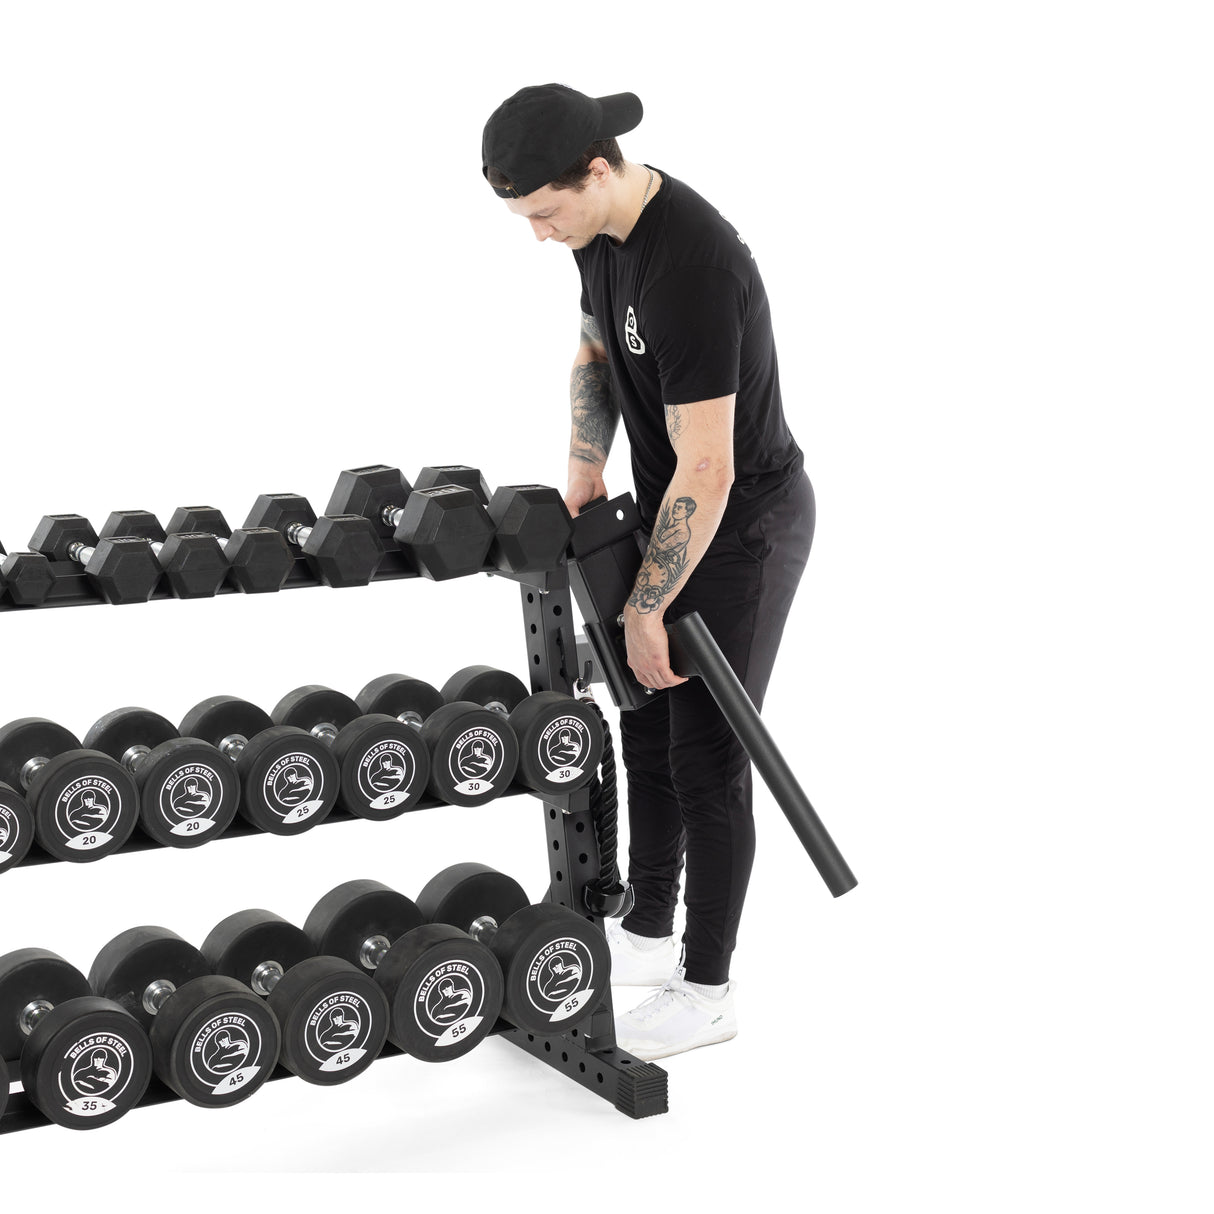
(638, 1089)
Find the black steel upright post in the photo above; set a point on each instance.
(589, 1056)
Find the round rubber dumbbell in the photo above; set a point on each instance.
(288, 779)
(556, 964)
(444, 989)
(188, 791)
(27, 578)
(85, 1060)
(193, 563)
(473, 752)
(384, 765)
(442, 526)
(4, 1083)
(85, 805)
(334, 1018)
(16, 828)
(122, 570)
(259, 560)
(341, 550)
(213, 1041)
(560, 738)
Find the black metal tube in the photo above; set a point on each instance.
(694, 652)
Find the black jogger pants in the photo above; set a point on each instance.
(689, 789)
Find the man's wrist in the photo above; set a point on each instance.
(635, 614)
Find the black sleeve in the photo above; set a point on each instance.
(587, 310)
(693, 320)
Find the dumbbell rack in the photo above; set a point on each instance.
(589, 1055)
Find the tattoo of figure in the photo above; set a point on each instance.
(666, 560)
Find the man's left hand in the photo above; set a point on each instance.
(649, 649)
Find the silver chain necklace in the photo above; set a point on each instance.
(647, 189)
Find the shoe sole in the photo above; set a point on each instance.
(647, 1056)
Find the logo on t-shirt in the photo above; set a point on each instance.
(635, 344)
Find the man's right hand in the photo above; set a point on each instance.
(583, 489)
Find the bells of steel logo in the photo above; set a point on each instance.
(562, 750)
(226, 1053)
(188, 798)
(450, 1002)
(294, 788)
(338, 1030)
(86, 811)
(477, 758)
(386, 774)
(94, 1074)
(560, 979)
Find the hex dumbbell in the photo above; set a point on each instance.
(85, 805)
(384, 764)
(85, 1060)
(529, 527)
(555, 963)
(334, 1018)
(288, 779)
(444, 989)
(193, 563)
(341, 549)
(16, 828)
(560, 738)
(122, 569)
(473, 751)
(26, 578)
(213, 1041)
(259, 559)
(188, 790)
(444, 528)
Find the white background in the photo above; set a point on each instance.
(244, 246)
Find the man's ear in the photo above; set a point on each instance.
(600, 170)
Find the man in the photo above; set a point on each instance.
(676, 339)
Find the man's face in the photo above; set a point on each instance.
(569, 217)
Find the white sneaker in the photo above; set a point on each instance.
(676, 1019)
(632, 966)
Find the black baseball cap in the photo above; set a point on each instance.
(534, 136)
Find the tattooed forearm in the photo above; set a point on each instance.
(675, 423)
(591, 334)
(596, 412)
(666, 559)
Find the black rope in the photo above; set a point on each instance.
(604, 811)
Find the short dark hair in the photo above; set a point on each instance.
(574, 177)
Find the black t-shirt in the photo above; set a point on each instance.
(684, 316)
